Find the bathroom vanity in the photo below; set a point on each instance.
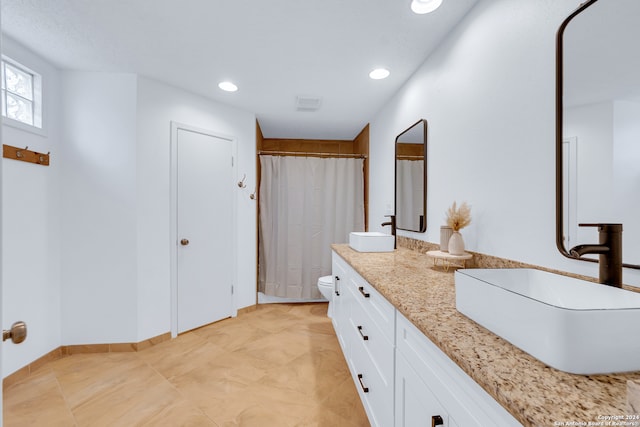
(417, 361)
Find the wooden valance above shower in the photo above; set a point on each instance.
(25, 155)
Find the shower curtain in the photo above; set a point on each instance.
(306, 204)
(410, 193)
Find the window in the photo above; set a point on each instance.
(21, 93)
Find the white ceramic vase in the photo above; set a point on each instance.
(456, 244)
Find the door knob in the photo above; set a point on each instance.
(184, 242)
(17, 333)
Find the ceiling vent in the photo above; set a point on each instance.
(308, 103)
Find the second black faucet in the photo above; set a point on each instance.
(609, 250)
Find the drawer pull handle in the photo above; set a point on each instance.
(365, 389)
(364, 337)
(337, 290)
(437, 420)
(364, 294)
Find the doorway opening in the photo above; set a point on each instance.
(312, 193)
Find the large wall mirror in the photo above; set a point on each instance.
(411, 178)
(598, 125)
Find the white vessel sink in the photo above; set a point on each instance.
(371, 241)
(570, 324)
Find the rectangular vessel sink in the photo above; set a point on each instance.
(371, 241)
(570, 324)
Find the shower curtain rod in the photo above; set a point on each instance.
(410, 157)
(300, 153)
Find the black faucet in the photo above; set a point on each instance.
(392, 223)
(609, 250)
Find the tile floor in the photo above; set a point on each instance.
(280, 365)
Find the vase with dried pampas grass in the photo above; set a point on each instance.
(457, 219)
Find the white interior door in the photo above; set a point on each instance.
(205, 203)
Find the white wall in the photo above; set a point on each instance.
(488, 95)
(98, 205)
(607, 154)
(592, 126)
(31, 226)
(626, 173)
(158, 105)
(116, 267)
(87, 239)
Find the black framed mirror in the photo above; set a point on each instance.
(411, 178)
(598, 125)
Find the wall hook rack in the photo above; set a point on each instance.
(252, 196)
(241, 184)
(25, 155)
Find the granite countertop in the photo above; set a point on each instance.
(535, 394)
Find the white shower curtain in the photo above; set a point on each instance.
(410, 193)
(306, 204)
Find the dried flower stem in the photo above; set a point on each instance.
(458, 218)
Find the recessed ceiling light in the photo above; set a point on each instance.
(379, 73)
(227, 86)
(425, 6)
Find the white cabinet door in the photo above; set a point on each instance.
(340, 271)
(416, 405)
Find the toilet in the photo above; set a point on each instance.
(325, 286)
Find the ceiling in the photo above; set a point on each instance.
(274, 50)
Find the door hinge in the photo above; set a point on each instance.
(231, 289)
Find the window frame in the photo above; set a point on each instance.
(36, 92)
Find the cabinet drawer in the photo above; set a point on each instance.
(372, 342)
(376, 393)
(374, 304)
(466, 402)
